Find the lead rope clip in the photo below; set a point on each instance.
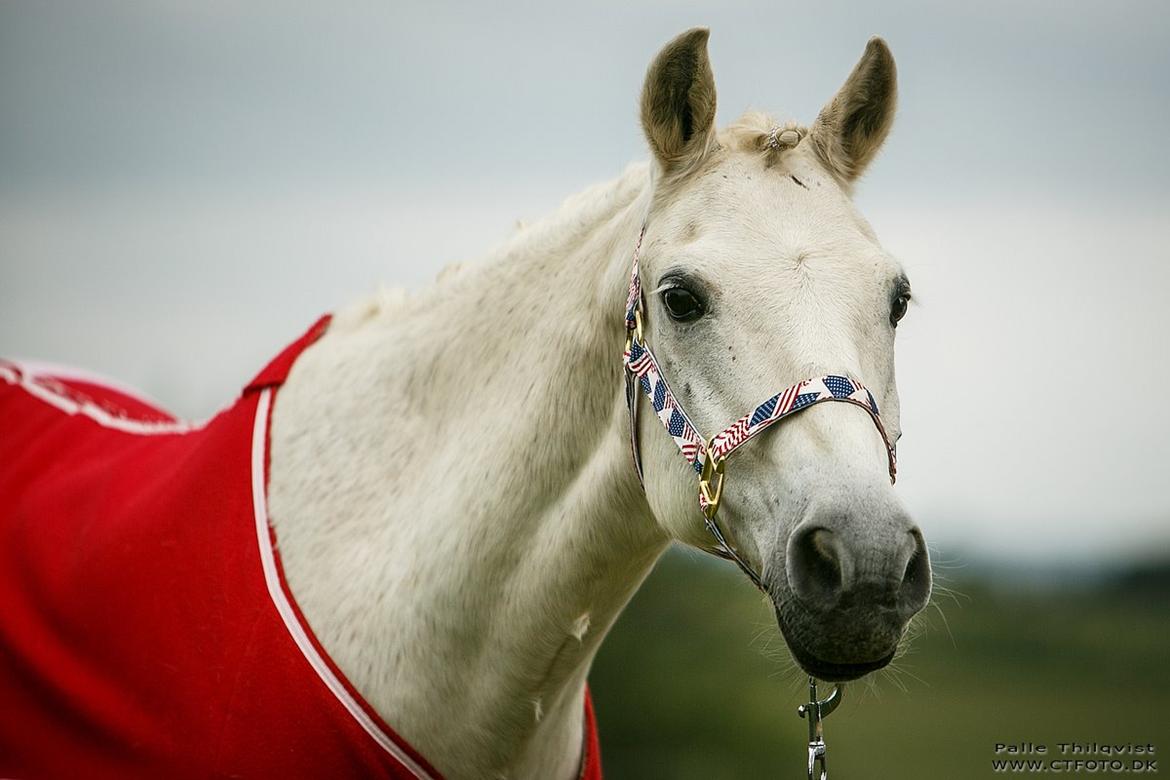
(816, 711)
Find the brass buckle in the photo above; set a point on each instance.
(713, 472)
(636, 333)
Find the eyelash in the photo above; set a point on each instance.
(687, 297)
(899, 306)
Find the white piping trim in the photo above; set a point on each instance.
(295, 629)
(71, 374)
(27, 380)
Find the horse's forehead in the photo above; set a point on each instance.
(741, 211)
(747, 196)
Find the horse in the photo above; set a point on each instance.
(449, 516)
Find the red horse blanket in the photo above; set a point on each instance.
(146, 629)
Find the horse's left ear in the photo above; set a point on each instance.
(678, 103)
(855, 123)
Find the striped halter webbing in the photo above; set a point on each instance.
(708, 456)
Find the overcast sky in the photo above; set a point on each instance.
(184, 187)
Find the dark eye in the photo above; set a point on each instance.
(898, 310)
(681, 304)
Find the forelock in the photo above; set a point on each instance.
(758, 132)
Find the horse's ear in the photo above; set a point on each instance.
(678, 103)
(852, 127)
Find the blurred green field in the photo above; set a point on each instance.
(694, 681)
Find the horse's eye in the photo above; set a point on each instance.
(681, 304)
(898, 310)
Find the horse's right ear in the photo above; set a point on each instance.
(678, 103)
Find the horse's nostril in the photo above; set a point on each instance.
(915, 588)
(817, 566)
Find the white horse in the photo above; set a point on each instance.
(451, 480)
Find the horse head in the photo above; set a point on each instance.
(757, 271)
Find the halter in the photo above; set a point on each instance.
(708, 457)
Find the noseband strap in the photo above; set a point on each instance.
(708, 457)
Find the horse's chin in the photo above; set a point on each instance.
(838, 672)
(831, 671)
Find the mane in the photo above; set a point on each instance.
(758, 132)
(753, 132)
(577, 215)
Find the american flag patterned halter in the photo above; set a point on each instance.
(708, 456)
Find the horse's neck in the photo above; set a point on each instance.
(453, 495)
